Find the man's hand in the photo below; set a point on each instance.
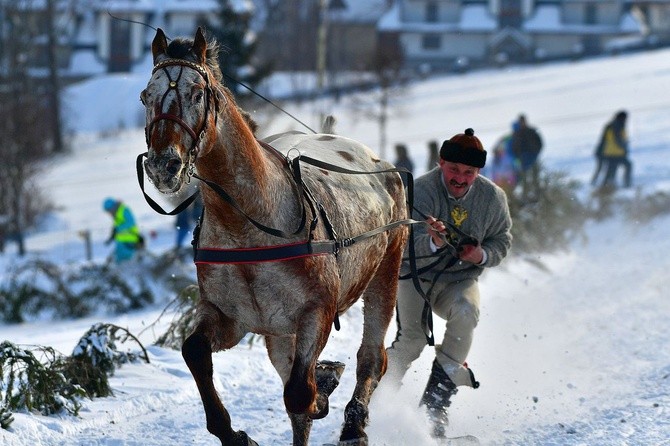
(471, 253)
(436, 229)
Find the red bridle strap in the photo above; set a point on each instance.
(176, 119)
(173, 85)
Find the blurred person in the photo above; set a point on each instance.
(403, 160)
(125, 233)
(433, 155)
(503, 168)
(526, 147)
(454, 200)
(185, 221)
(612, 151)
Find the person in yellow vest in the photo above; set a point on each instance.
(125, 232)
(612, 151)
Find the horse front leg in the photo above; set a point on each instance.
(197, 353)
(300, 391)
(281, 351)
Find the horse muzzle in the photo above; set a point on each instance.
(165, 170)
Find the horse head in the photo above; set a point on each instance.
(182, 103)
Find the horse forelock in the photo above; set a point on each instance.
(181, 48)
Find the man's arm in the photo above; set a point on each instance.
(498, 240)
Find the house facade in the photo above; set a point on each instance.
(441, 34)
(656, 17)
(108, 36)
(100, 36)
(114, 36)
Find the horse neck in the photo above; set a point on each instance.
(254, 178)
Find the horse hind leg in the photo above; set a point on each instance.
(197, 353)
(379, 300)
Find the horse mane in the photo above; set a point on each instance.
(180, 48)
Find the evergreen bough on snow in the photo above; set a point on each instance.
(39, 379)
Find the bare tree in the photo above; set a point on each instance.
(387, 68)
(53, 84)
(24, 112)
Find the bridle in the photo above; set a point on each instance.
(196, 137)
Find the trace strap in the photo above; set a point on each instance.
(292, 250)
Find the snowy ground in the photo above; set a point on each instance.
(576, 353)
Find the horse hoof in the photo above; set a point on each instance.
(353, 442)
(328, 375)
(322, 407)
(242, 439)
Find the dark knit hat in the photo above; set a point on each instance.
(464, 148)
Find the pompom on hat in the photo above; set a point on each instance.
(464, 148)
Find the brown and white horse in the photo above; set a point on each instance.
(194, 127)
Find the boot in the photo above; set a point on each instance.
(436, 398)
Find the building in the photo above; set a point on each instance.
(448, 34)
(109, 36)
(655, 14)
(97, 36)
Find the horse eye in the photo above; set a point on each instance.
(142, 94)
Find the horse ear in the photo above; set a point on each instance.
(200, 46)
(159, 45)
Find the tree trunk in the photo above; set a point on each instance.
(54, 81)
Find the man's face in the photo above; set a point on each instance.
(458, 177)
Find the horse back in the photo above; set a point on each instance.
(354, 203)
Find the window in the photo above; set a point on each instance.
(431, 42)
(591, 16)
(431, 12)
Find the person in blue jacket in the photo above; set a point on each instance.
(125, 232)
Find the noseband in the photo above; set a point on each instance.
(195, 136)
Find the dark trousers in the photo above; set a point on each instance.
(600, 162)
(612, 167)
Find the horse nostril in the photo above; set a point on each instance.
(173, 166)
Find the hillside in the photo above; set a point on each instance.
(574, 353)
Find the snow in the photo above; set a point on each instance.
(547, 18)
(571, 353)
(474, 17)
(477, 18)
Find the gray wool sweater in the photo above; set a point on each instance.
(482, 213)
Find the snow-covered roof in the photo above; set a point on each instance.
(477, 18)
(162, 5)
(547, 18)
(473, 18)
(358, 11)
(390, 21)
